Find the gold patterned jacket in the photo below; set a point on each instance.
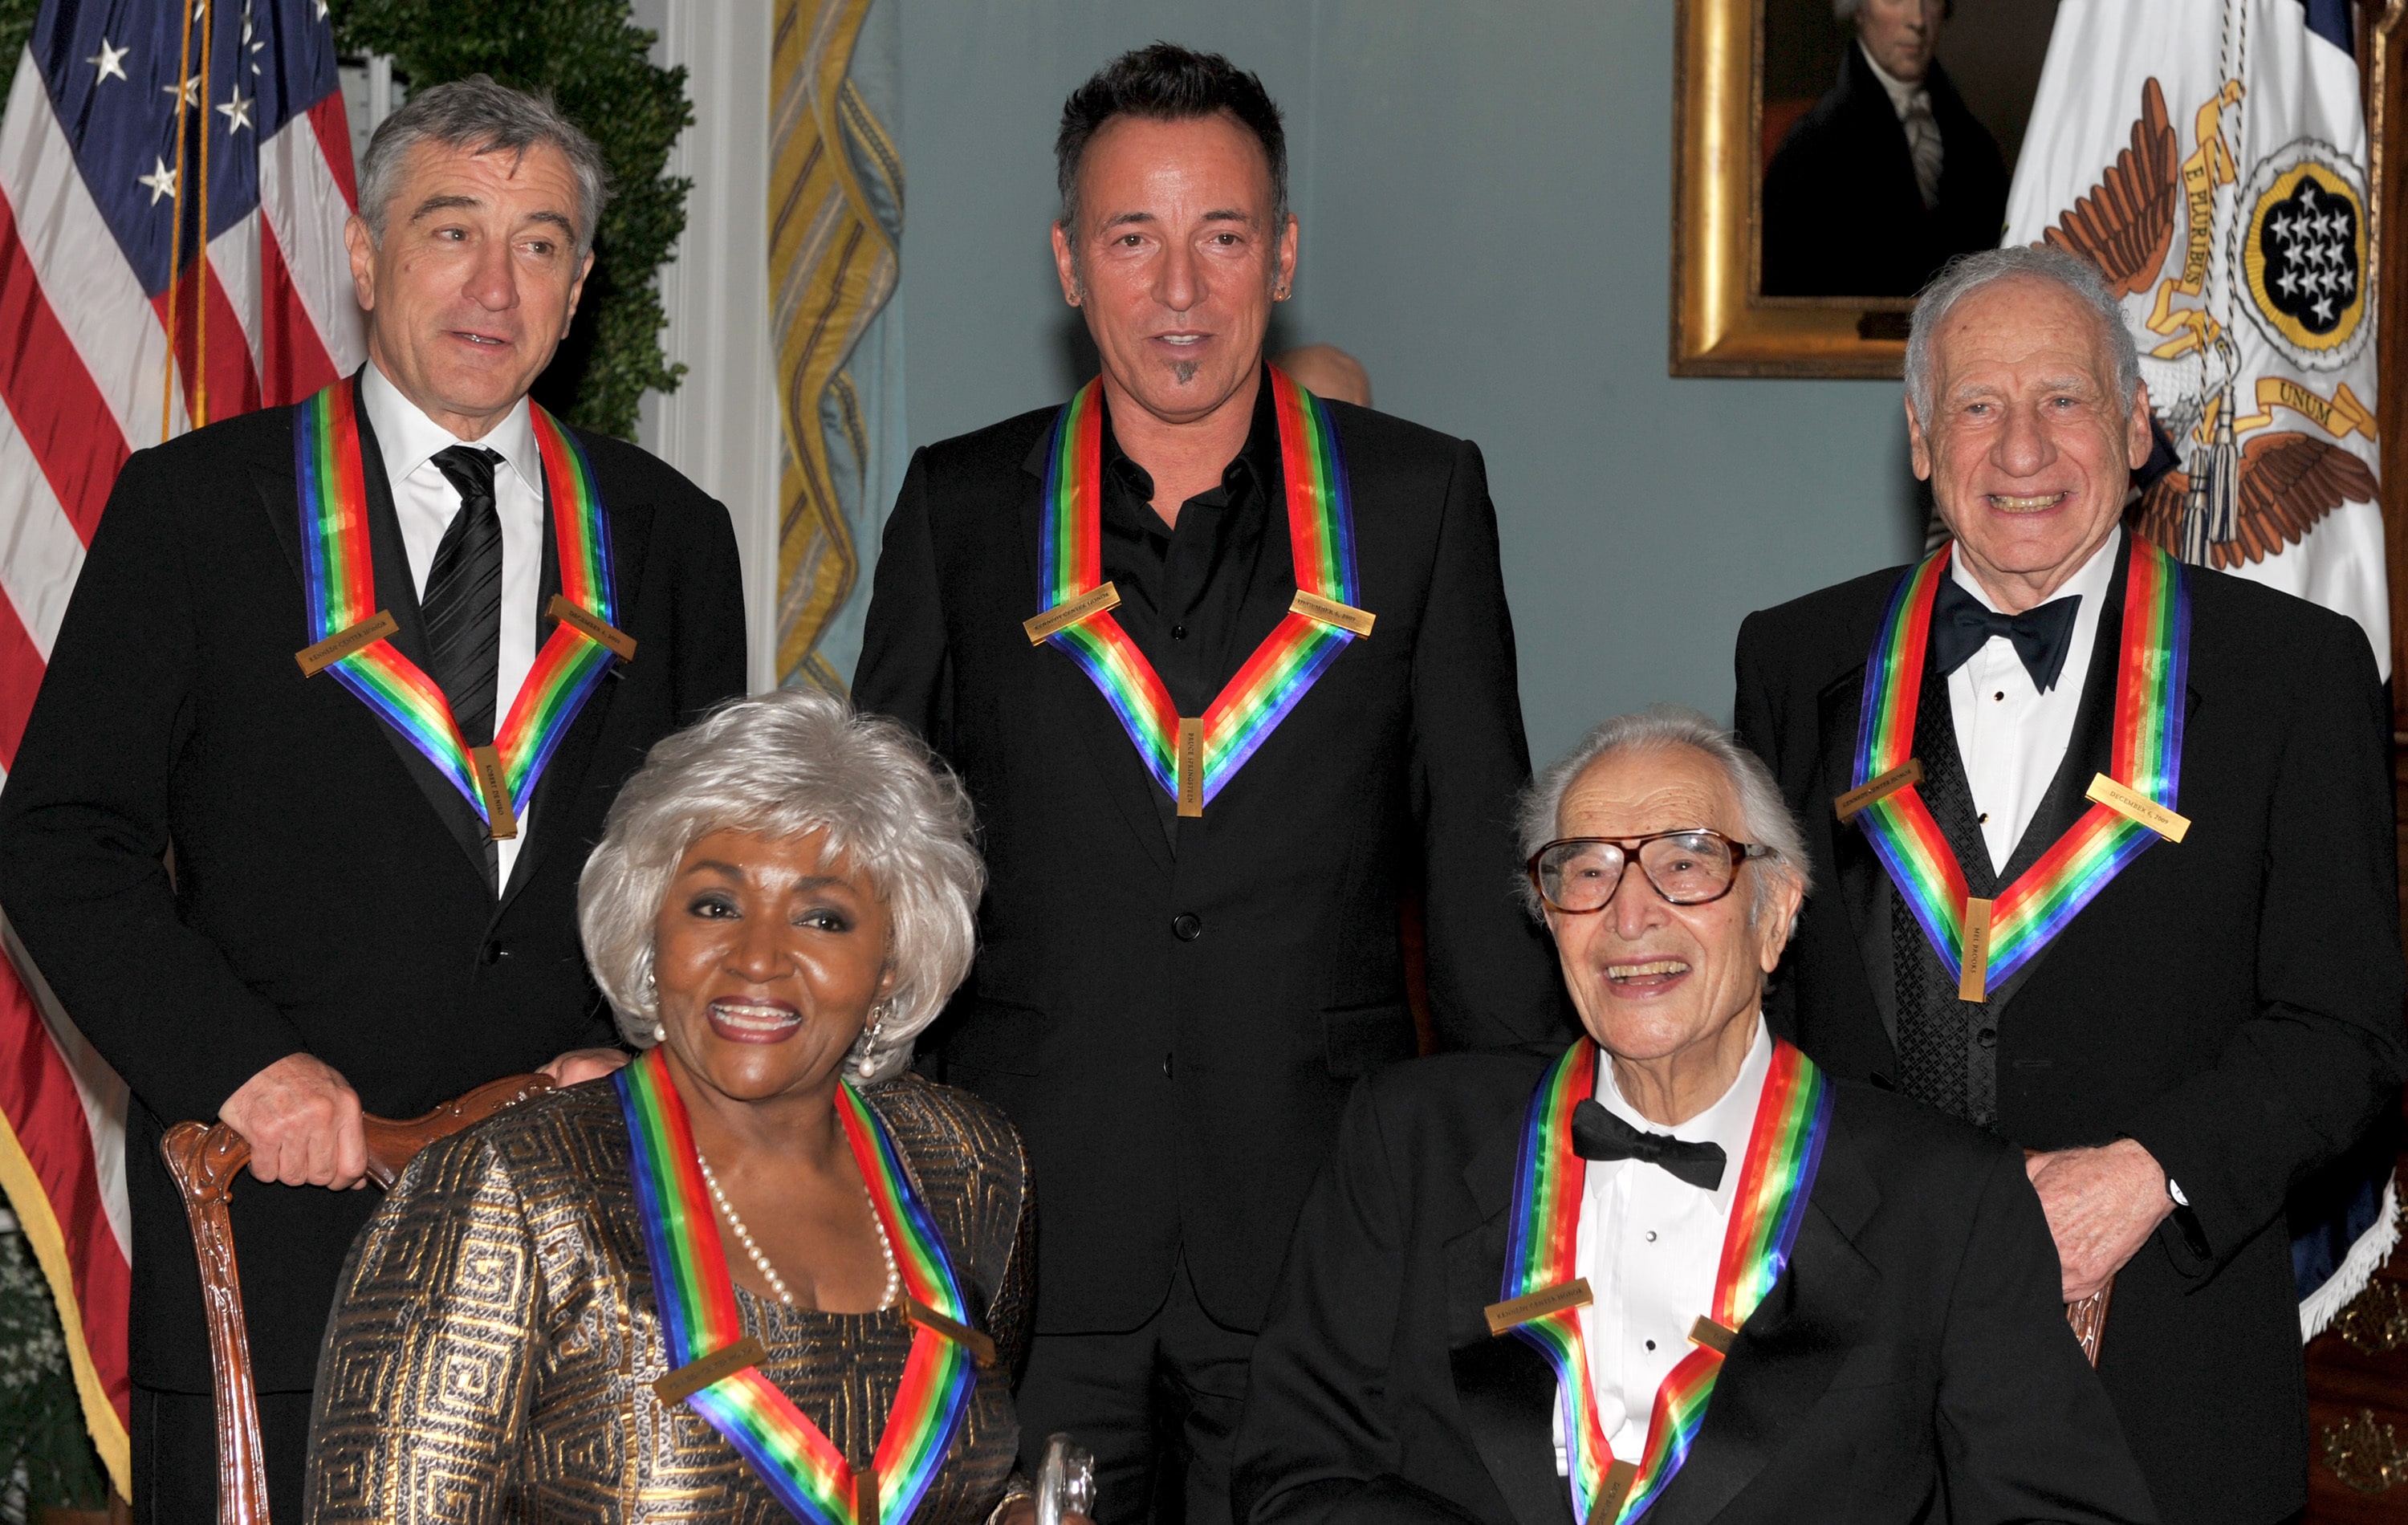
(495, 1338)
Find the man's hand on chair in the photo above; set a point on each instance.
(302, 1123)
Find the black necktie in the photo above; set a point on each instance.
(1961, 626)
(1598, 1134)
(463, 595)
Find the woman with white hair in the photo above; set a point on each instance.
(763, 1270)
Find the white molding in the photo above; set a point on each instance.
(720, 427)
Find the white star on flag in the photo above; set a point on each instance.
(192, 91)
(111, 61)
(237, 112)
(162, 180)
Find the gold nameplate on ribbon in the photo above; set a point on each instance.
(1538, 1305)
(317, 659)
(580, 619)
(1045, 626)
(1312, 606)
(1612, 1493)
(694, 1376)
(1973, 980)
(981, 1348)
(1855, 800)
(864, 1497)
(500, 819)
(2127, 801)
(1191, 768)
(1714, 1337)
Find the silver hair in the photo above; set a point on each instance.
(481, 117)
(1764, 815)
(1969, 273)
(780, 764)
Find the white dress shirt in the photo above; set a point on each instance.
(1649, 1244)
(2012, 736)
(426, 503)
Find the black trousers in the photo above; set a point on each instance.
(175, 1456)
(1158, 1405)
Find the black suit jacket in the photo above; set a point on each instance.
(328, 893)
(1841, 214)
(1173, 1033)
(1912, 1363)
(2232, 1002)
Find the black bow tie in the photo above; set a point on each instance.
(1961, 626)
(1598, 1134)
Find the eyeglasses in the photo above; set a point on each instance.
(1577, 875)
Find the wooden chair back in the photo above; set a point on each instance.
(205, 1158)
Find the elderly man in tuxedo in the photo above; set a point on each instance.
(1677, 1268)
(375, 848)
(2111, 866)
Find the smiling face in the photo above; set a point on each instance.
(1900, 35)
(768, 963)
(2029, 450)
(1656, 983)
(475, 280)
(1175, 259)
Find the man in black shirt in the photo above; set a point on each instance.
(1229, 674)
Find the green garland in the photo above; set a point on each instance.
(41, 1422)
(593, 61)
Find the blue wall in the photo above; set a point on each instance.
(1485, 193)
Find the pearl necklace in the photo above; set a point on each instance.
(761, 1261)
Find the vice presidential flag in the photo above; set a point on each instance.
(2210, 157)
(174, 179)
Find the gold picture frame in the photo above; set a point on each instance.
(1720, 325)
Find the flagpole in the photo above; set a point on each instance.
(176, 235)
(201, 263)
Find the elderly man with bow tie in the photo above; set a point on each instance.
(1677, 1269)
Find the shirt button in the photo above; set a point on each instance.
(2001, 695)
(1651, 1236)
(1651, 1344)
(1187, 927)
(1985, 817)
(1179, 632)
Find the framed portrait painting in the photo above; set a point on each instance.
(1828, 157)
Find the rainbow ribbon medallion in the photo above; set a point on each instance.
(339, 586)
(1321, 536)
(2146, 756)
(802, 1467)
(1784, 1151)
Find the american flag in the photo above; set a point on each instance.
(133, 126)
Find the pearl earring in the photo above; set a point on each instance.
(867, 1063)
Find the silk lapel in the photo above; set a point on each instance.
(1122, 776)
(1864, 887)
(630, 527)
(1507, 1392)
(1791, 1349)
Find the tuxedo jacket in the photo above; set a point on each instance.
(327, 890)
(1173, 1027)
(1910, 1364)
(1843, 213)
(2232, 1002)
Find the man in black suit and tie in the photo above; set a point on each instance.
(351, 918)
(1890, 175)
(1229, 671)
(1675, 1271)
(2116, 875)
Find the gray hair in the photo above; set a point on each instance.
(1969, 273)
(780, 764)
(1765, 816)
(481, 117)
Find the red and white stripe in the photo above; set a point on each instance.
(84, 382)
